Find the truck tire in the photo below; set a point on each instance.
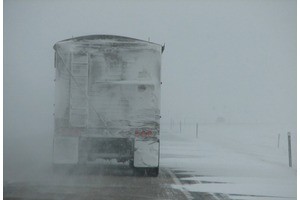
(131, 164)
(151, 172)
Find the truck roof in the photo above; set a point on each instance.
(102, 39)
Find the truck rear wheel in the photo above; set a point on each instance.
(151, 172)
(131, 164)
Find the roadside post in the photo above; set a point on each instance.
(180, 126)
(197, 130)
(290, 149)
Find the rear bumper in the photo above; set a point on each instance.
(93, 148)
(143, 151)
(77, 149)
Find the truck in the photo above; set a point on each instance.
(107, 101)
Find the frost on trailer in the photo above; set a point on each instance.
(107, 102)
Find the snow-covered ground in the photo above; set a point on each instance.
(243, 161)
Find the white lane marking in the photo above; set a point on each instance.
(177, 182)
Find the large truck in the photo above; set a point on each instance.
(107, 101)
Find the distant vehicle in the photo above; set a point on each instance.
(107, 101)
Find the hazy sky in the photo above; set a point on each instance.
(234, 59)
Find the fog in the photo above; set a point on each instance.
(231, 59)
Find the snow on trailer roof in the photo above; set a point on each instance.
(105, 39)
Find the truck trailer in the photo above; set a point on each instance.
(107, 101)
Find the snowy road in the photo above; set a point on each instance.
(110, 182)
(223, 163)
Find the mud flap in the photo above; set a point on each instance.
(146, 153)
(65, 150)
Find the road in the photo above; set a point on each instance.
(191, 168)
(109, 182)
